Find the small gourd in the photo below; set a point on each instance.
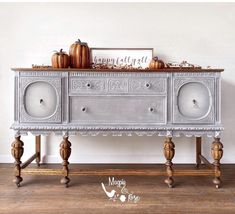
(156, 63)
(60, 59)
(79, 55)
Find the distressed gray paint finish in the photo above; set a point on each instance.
(119, 103)
(209, 84)
(25, 82)
(120, 85)
(118, 110)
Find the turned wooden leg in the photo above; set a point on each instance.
(169, 152)
(38, 149)
(17, 152)
(217, 153)
(65, 152)
(198, 151)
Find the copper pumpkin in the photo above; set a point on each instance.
(79, 55)
(60, 59)
(156, 64)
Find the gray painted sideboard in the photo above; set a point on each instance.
(166, 102)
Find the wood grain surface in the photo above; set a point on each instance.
(45, 194)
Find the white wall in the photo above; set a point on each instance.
(203, 34)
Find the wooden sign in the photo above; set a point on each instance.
(136, 58)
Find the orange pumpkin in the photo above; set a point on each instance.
(60, 59)
(79, 55)
(156, 64)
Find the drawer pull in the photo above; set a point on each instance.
(195, 103)
(151, 109)
(83, 109)
(88, 85)
(148, 85)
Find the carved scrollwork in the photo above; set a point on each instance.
(155, 85)
(194, 74)
(163, 130)
(122, 132)
(117, 74)
(78, 85)
(41, 74)
(117, 85)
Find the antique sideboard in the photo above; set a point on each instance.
(166, 102)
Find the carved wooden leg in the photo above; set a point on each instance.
(217, 153)
(169, 152)
(38, 149)
(17, 152)
(198, 151)
(65, 152)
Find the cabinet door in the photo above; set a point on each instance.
(194, 100)
(40, 100)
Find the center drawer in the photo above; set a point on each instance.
(118, 109)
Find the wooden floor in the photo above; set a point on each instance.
(44, 194)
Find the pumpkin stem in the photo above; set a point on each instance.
(61, 50)
(155, 58)
(78, 41)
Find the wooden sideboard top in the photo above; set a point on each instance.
(120, 70)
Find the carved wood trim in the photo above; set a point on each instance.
(65, 152)
(217, 153)
(169, 152)
(17, 152)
